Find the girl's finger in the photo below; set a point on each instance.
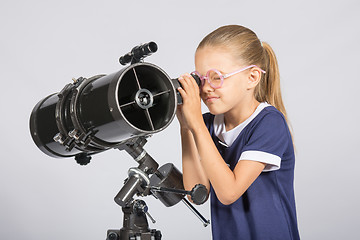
(190, 84)
(182, 92)
(186, 84)
(183, 82)
(193, 84)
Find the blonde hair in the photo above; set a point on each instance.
(246, 46)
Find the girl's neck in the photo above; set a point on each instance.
(236, 116)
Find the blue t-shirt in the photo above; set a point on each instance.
(266, 210)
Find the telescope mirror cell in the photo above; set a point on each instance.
(104, 111)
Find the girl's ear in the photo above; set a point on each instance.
(254, 78)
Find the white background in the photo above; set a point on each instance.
(44, 44)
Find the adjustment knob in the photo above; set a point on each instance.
(199, 194)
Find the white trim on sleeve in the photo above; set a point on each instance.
(272, 161)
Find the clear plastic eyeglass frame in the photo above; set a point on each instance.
(216, 79)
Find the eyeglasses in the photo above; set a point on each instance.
(216, 79)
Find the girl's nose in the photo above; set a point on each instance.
(207, 87)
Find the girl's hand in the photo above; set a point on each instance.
(189, 113)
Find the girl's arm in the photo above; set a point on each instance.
(228, 185)
(193, 172)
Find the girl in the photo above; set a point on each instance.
(242, 150)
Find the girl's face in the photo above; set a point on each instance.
(236, 91)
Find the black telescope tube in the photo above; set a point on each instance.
(104, 111)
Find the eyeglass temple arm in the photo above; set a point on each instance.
(233, 73)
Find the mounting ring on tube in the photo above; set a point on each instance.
(86, 139)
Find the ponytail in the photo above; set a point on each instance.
(268, 90)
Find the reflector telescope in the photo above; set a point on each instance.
(102, 112)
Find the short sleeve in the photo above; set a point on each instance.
(267, 141)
